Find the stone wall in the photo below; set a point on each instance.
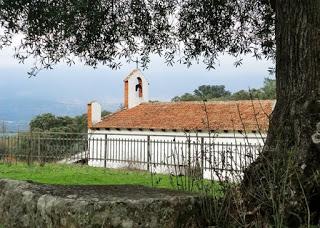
(25, 204)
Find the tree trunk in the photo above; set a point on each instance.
(289, 168)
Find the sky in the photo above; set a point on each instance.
(77, 85)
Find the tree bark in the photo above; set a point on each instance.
(290, 156)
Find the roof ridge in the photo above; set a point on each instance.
(206, 102)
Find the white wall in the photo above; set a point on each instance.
(168, 150)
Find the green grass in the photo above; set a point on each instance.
(77, 175)
(85, 175)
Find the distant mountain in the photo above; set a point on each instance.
(16, 113)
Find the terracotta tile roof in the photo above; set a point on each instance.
(180, 116)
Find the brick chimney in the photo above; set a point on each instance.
(126, 94)
(94, 113)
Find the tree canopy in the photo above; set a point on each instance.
(106, 31)
(218, 92)
(50, 123)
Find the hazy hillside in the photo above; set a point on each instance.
(17, 112)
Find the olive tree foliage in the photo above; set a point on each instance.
(110, 31)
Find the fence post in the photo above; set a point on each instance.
(148, 153)
(105, 150)
(202, 156)
(189, 173)
(39, 149)
(29, 148)
(88, 146)
(10, 149)
(19, 147)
